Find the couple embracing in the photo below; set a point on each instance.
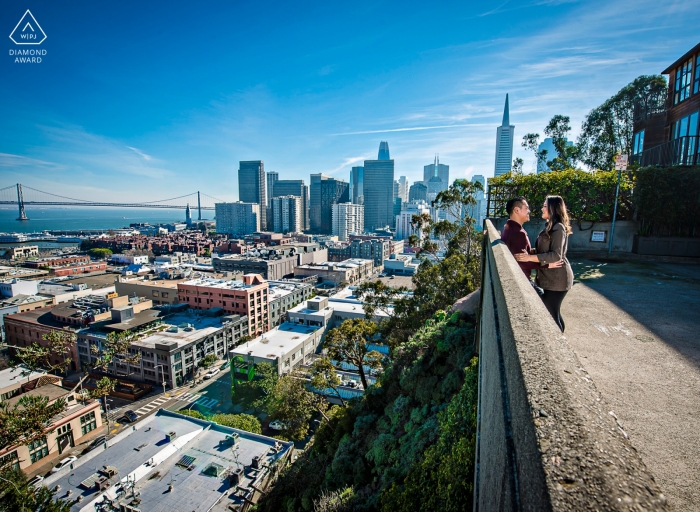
(554, 275)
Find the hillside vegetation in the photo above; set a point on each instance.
(409, 440)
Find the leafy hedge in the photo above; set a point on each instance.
(245, 422)
(407, 444)
(668, 200)
(589, 196)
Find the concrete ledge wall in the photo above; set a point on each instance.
(580, 239)
(546, 440)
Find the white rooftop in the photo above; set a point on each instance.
(183, 328)
(218, 283)
(151, 462)
(277, 342)
(16, 376)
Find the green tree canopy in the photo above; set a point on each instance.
(245, 422)
(98, 252)
(350, 343)
(608, 129)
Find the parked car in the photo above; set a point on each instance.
(97, 442)
(130, 416)
(391, 277)
(277, 425)
(36, 481)
(211, 373)
(63, 463)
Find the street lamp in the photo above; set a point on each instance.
(162, 375)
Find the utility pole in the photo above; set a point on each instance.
(20, 204)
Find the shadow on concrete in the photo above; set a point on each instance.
(663, 297)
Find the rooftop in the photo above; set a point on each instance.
(16, 376)
(277, 342)
(349, 263)
(50, 390)
(219, 283)
(196, 462)
(182, 329)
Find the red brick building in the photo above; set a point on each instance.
(65, 261)
(248, 297)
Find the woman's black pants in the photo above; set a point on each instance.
(552, 301)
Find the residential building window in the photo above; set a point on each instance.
(638, 145)
(38, 450)
(88, 422)
(11, 460)
(684, 74)
(696, 86)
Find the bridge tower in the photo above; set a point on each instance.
(199, 206)
(20, 204)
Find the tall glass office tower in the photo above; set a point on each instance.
(251, 186)
(357, 177)
(379, 190)
(504, 144)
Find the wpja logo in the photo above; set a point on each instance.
(28, 32)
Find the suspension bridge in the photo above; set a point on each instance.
(24, 196)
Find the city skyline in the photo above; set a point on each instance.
(162, 111)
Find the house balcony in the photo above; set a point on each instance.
(680, 151)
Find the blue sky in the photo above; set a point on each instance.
(139, 102)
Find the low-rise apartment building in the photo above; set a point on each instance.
(248, 297)
(171, 348)
(13, 286)
(272, 265)
(62, 261)
(284, 347)
(326, 313)
(350, 271)
(81, 418)
(284, 295)
(160, 291)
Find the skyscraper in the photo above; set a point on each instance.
(395, 192)
(333, 191)
(504, 144)
(403, 188)
(299, 189)
(251, 186)
(238, 219)
(315, 201)
(442, 171)
(383, 151)
(357, 177)
(272, 177)
(286, 214)
(418, 192)
(347, 218)
(188, 215)
(478, 211)
(379, 190)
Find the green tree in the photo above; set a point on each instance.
(245, 422)
(58, 346)
(27, 420)
(350, 343)
(608, 129)
(208, 360)
(99, 252)
(16, 495)
(192, 413)
(86, 245)
(558, 129)
(325, 376)
(517, 167)
(294, 405)
(103, 387)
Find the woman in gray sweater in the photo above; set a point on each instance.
(551, 246)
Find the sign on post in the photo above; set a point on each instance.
(621, 162)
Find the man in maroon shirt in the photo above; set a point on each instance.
(515, 237)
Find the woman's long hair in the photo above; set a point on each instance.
(557, 214)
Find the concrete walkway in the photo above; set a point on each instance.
(636, 329)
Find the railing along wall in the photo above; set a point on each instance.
(546, 440)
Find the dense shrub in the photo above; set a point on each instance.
(589, 196)
(411, 435)
(192, 414)
(668, 200)
(240, 421)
